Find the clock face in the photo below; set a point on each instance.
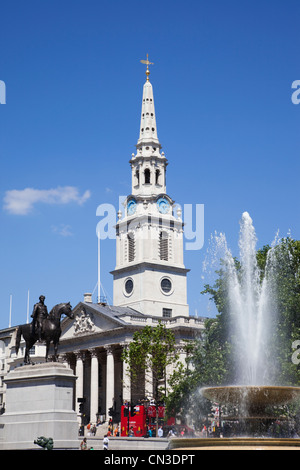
(131, 207)
(163, 205)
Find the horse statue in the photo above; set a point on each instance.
(51, 331)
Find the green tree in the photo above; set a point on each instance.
(207, 364)
(152, 349)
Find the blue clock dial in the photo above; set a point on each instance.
(163, 205)
(131, 207)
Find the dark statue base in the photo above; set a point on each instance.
(39, 402)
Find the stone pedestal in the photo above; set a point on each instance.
(39, 402)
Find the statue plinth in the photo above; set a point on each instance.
(39, 402)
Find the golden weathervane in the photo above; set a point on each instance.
(146, 62)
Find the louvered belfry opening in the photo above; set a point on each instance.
(131, 247)
(163, 246)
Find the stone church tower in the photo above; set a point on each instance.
(150, 275)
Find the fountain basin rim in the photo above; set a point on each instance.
(252, 394)
(241, 443)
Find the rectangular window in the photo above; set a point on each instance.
(167, 312)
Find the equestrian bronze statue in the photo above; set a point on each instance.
(44, 327)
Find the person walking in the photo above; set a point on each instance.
(105, 442)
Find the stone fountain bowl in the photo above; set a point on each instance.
(251, 394)
(256, 399)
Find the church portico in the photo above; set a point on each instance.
(99, 384)
(92, 344)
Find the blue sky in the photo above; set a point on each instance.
(222, 88)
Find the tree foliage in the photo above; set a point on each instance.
(152, 349)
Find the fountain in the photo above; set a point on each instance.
(253, 312)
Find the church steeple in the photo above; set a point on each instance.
(149, 164)
(150, 275)
(148, 129)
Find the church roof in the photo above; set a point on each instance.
(112, 311)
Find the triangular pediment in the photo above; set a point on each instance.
(90, 319)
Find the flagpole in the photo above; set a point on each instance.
(99, 268)
(28, 306)
(10, 308)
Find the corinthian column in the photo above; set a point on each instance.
(94, 386)
(126, 379)
(79, 383)
(110, 379)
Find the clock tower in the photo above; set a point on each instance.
(150, 275)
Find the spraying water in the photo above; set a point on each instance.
(253, 309)
(252, 306)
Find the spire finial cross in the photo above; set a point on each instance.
(146, 62)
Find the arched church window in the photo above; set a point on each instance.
(147, 176)
(131, 246)
(157, 173)
(163, 246)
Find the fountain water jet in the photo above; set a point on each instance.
(252, 306)
(253, 314)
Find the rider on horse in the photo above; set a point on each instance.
(39, 314)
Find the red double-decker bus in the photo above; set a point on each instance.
(137, 420)
(133, 420)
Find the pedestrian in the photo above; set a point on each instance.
(105, 442)
(160, 432)
(83, 444)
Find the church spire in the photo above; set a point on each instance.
(149, 164)
(148, 130)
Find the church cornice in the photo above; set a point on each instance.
(151, 265)
(148, 198)
(150, 220)
(142, 158)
